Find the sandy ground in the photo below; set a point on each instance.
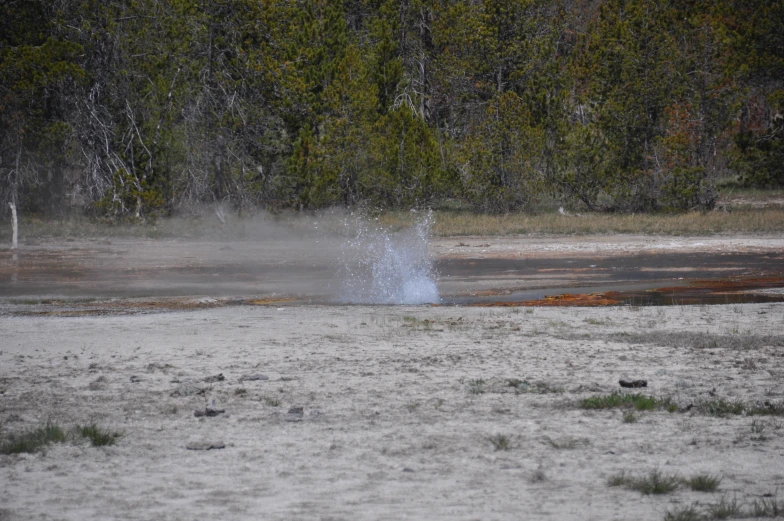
(390, 427)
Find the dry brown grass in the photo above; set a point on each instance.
(448, 223)
(745, 220)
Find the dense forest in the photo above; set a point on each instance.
(137, 108)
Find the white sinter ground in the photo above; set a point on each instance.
(391, 429)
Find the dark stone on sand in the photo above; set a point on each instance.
(205, 445)
(295, 414)
(209, 411)
(187, 390)
(99, 384)
(634, 384)
(253, 377)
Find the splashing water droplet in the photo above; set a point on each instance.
(380, 267)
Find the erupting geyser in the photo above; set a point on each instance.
(379, 267)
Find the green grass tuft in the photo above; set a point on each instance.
(654, 483)
(721, 407)
(98, 436)
(635, 401)
(500, 442)
(619, 480)
(725, 509)
(629, 417)
(684, 513)
(34, 440)
(704, 482)
(476, 386)
(766, 507)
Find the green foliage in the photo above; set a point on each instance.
(502, 169)
(654, 482)
(500, 442)
(142, 107)
(98, 436)
(635, 401)
(704, 482)
(721, 407)
(34, 440)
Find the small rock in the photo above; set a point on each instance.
(295, 414)
(208, 411)
(633, 383)
(216, 378)
(98, 384)
(205, 445)
(187, 390)
(252, 377)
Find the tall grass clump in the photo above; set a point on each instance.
(97, 436)
(636, 401)
(33, 440)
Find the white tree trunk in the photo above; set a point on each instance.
(15, 224)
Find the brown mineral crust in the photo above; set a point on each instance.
(569, 299)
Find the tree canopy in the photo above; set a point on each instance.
(130, 108)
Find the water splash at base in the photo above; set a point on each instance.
(380, 267)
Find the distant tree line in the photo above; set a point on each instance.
(132, 108)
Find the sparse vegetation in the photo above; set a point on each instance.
(684, 513)
(476, 386)
(724, 509)
(566, 443)
(765, 507)
(696, 340)
(635, 401)
(524, 386)
(758, 428)
(704, 482)
(34, 440)
(629, 417)
(722, 407)
(500, 442)
(655, 482)
(98, 436)
(271, 401)
(416, 323)
(450, 223)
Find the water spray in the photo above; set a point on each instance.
(382, 267)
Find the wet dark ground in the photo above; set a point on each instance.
(106, 270)
(643, 279)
